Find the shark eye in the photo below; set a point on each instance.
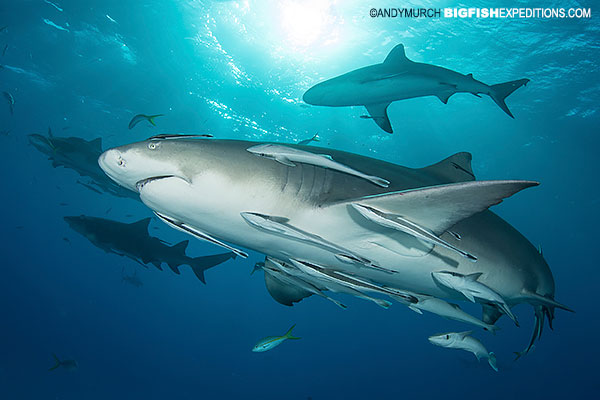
(153, 145)
(447, 337)
(120, 161)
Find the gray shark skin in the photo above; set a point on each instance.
(208, 184)
(79, 155)
(133, 241)
(398, 78)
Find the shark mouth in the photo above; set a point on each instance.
(141, 183)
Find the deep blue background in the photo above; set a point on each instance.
(238, 70)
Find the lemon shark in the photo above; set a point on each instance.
(208, 187)
(398, 78)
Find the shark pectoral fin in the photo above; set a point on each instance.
(378, 113)
(284, 160)
(469, 296)
(438, 208)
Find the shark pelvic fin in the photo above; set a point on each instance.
(396, 56)
(438, 208)
(378, 113)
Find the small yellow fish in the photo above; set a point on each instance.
(273, 341)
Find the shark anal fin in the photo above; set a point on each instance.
(378, 113)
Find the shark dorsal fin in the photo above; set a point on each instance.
(473, 277)
(396, 56)
(456, 168)
(97, 143)
(463, 334)
(142, 224)
(181, 246)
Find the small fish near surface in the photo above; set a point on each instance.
(288, 155)
(270, 342)
(11, 102)
(306, 142)
(69, 365)
(142, 117)
(462, 341)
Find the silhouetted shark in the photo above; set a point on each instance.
(133, 241)
(81, 156)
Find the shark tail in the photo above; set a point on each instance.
(492, 361)
(55, 365)
(501, 91)
(201, 264)
(288, 334)
(151, 118)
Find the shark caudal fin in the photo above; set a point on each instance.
(55, 365)
(492, 361)
(288, 334)
(201, 264)
(501, 91)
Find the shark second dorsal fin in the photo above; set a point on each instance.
(378, 113)
(456, 168)
(396, 56)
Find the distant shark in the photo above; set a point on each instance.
(79, 155)
(398, 78)
(133, 241)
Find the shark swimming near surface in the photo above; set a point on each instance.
(307, 212)
(134, 242)
(398, 78)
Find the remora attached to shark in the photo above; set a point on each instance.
(133, 241)
(398, 78)
(212, 186)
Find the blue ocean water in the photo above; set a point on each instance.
(237, 70)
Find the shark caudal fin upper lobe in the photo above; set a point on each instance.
(501, 91)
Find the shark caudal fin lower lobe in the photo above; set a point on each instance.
(55, 365)
(201, 264)
(501, 91)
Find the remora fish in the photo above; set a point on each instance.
(69, 365)
(208, 183)
(133, 241)
(445, 310)
(462, 341)
(403, 225)
(398, 78)
(288, 155)
(273, 341)
(340, 283)
(142, 117)
(471, 289)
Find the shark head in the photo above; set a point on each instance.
(448, 339)
(138, 164)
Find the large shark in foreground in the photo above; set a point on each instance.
(398, 78)
(133, 241)
(211, 186)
